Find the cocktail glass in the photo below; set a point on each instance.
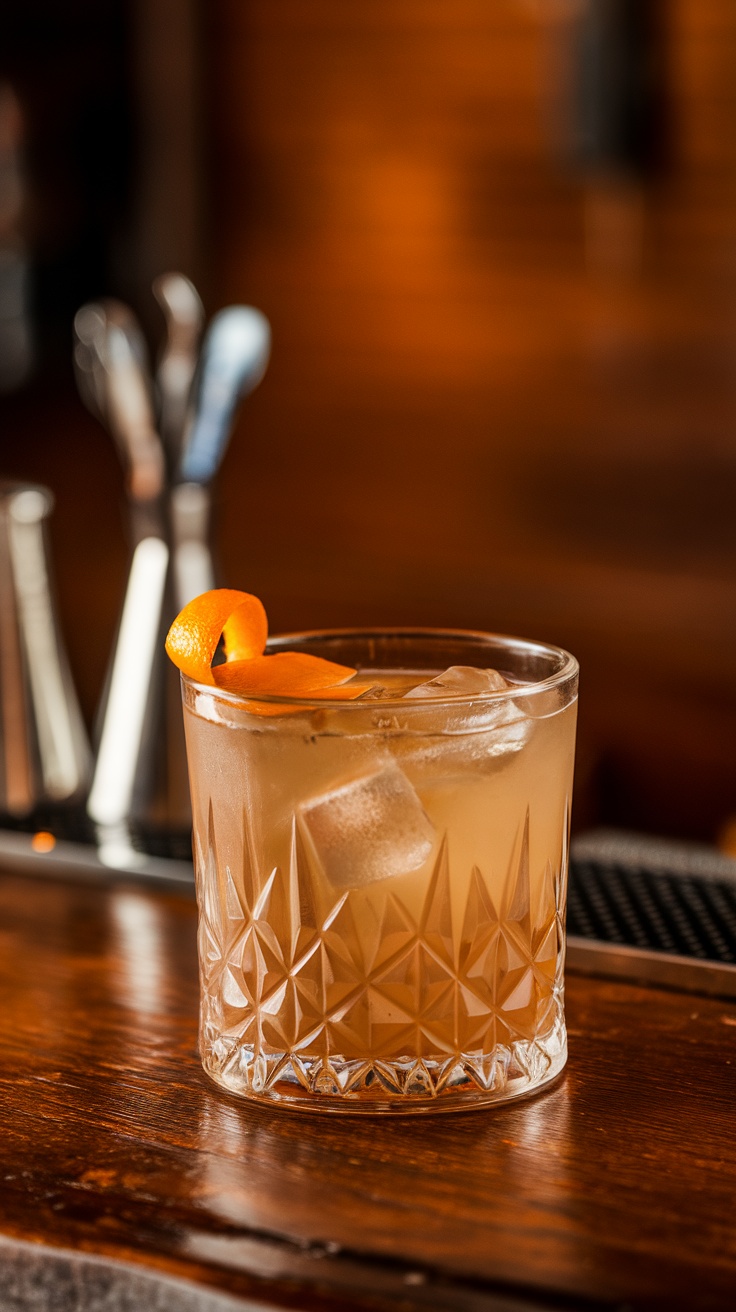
(381, 882)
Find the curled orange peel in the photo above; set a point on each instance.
(195, 634)
(240, 619)
(294, 673)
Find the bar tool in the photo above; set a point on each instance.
(184, 315)
(234, 358)
(117, 365)
(235, 354)
(43, 743)
(171, 437)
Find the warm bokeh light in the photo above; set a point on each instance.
(43, 841)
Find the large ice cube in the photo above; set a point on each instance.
(460, 681)
(492, 730)
(371, 828)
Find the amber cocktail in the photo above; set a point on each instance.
(381, 880)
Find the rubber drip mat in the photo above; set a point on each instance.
(653, 909)
(686, 915)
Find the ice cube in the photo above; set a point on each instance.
(436, 759)
(398, 685)
(490, 732)
(371, 828)
(460, 681)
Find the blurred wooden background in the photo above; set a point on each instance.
(503, 385)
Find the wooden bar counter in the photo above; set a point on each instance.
(616, 1188)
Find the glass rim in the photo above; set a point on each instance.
(569, 668)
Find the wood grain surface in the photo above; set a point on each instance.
(614, 1188)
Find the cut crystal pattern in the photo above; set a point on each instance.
(304, 992)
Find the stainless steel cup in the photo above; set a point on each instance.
(44, 752)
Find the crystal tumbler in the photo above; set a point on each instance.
(381, 882)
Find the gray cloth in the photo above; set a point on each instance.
(34, 1278)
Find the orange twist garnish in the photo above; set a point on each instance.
(295, 673)
(195, 634)
(240, 618)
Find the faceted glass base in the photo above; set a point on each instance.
(385, 1007)
(412, 1085)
